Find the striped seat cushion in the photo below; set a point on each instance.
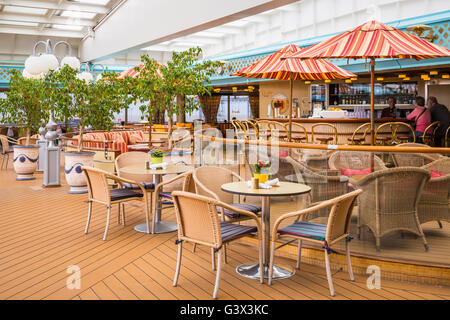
(147, 185)
(232, 231)
(121, 194)
(166, 195)
(242, 206)
(306, 229)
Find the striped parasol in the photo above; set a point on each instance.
(133, 73)
(373, 40)
(274, 67)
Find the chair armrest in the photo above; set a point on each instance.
(162, 184)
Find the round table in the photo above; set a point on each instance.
(147, 175)
(285, 189)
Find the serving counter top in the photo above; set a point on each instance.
(342, 120)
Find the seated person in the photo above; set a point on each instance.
(439, 113)
(391, 111)
(421, 117)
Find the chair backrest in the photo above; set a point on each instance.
(130, 159)
(363, 130)
(441, 165)
(392, 191)
(278, 128)
(325, 130)
(394, 128)
(189, 183)
(297, 128)
(413, 159)
(97, 184)
(340, 215)
(429, 133)
(197, 219)
(209, 179)
(354, 160)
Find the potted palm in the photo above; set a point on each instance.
(94, 104)
(22, 106)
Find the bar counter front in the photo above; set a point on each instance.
(344, 126)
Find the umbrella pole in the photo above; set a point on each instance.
(291, 84)
(372, 101)
(372, 109)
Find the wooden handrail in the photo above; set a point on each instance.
(332, 147)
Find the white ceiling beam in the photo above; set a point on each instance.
(84, 7)
(128, 20)
(46, 19)
(45, 32)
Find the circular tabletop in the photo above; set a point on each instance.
(285, 189)
(170, 169)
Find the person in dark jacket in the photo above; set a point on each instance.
(391, 111)
(439, 113)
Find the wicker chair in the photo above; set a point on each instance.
(199, 223)
(323, 187)
(325, 137)
(208, 181)
(390, 201)
(337, 229)
(239, 129)
(413, 159)
(447, 138)
(129, 159)
(354, 160)
(99, 192)
(434, 204)
(5, 151)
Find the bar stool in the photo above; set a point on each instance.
(447, 138)
(298, 133)
(428, 139)
(324, 140)
(395, 138)
(356, 139)
(278, 130)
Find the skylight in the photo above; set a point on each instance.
(26, 10)
(99, 2)
(78, 14)
(18, 23)
(65, 27)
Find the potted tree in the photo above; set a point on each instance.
(94, 104)
(22, 106)
(185, 76)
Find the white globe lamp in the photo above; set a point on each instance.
(72, 62)
(49, 61)
(34, 66)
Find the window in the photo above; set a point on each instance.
(240, 107)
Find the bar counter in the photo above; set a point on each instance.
(345, 127)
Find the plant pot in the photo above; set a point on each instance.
(25, 162)
(156, 160)
(74, 175)
(261, 176)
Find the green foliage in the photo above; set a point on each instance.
(22, 105)
(93, 103)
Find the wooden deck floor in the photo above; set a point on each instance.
(41, 235)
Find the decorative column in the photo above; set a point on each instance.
(42, 143)
(52, 157)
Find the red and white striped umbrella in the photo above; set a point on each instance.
(373, 40)
(133, 73)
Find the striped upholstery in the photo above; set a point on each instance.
(121, 194)
(147, 185)
(306, 230)
(241, 206)
(232, 231)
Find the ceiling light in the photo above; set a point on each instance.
(327, 81)
(307, 82)
(446, 76)
(433, 73)
(380, 79)
(348, 81)
(406, 78)
(353, 79)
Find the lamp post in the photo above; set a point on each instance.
(36, 67)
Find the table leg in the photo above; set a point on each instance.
(160, 227)
(252, 270)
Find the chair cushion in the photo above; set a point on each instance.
(306, 229)
(242, 206)
(352, 172)
(121, 194)
(147, 185)
(166, 195)
(435, 174)
(232, 231)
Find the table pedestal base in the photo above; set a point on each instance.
(252, 271)
(160, 227)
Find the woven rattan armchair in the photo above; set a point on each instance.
(100, 192)
(5, 151)
(390, 201)
(413, 159)
(323, 186)
(337, 229)
(434, 204)
(354, 160)
(208, 182)
(130, 159)
(199, 223)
